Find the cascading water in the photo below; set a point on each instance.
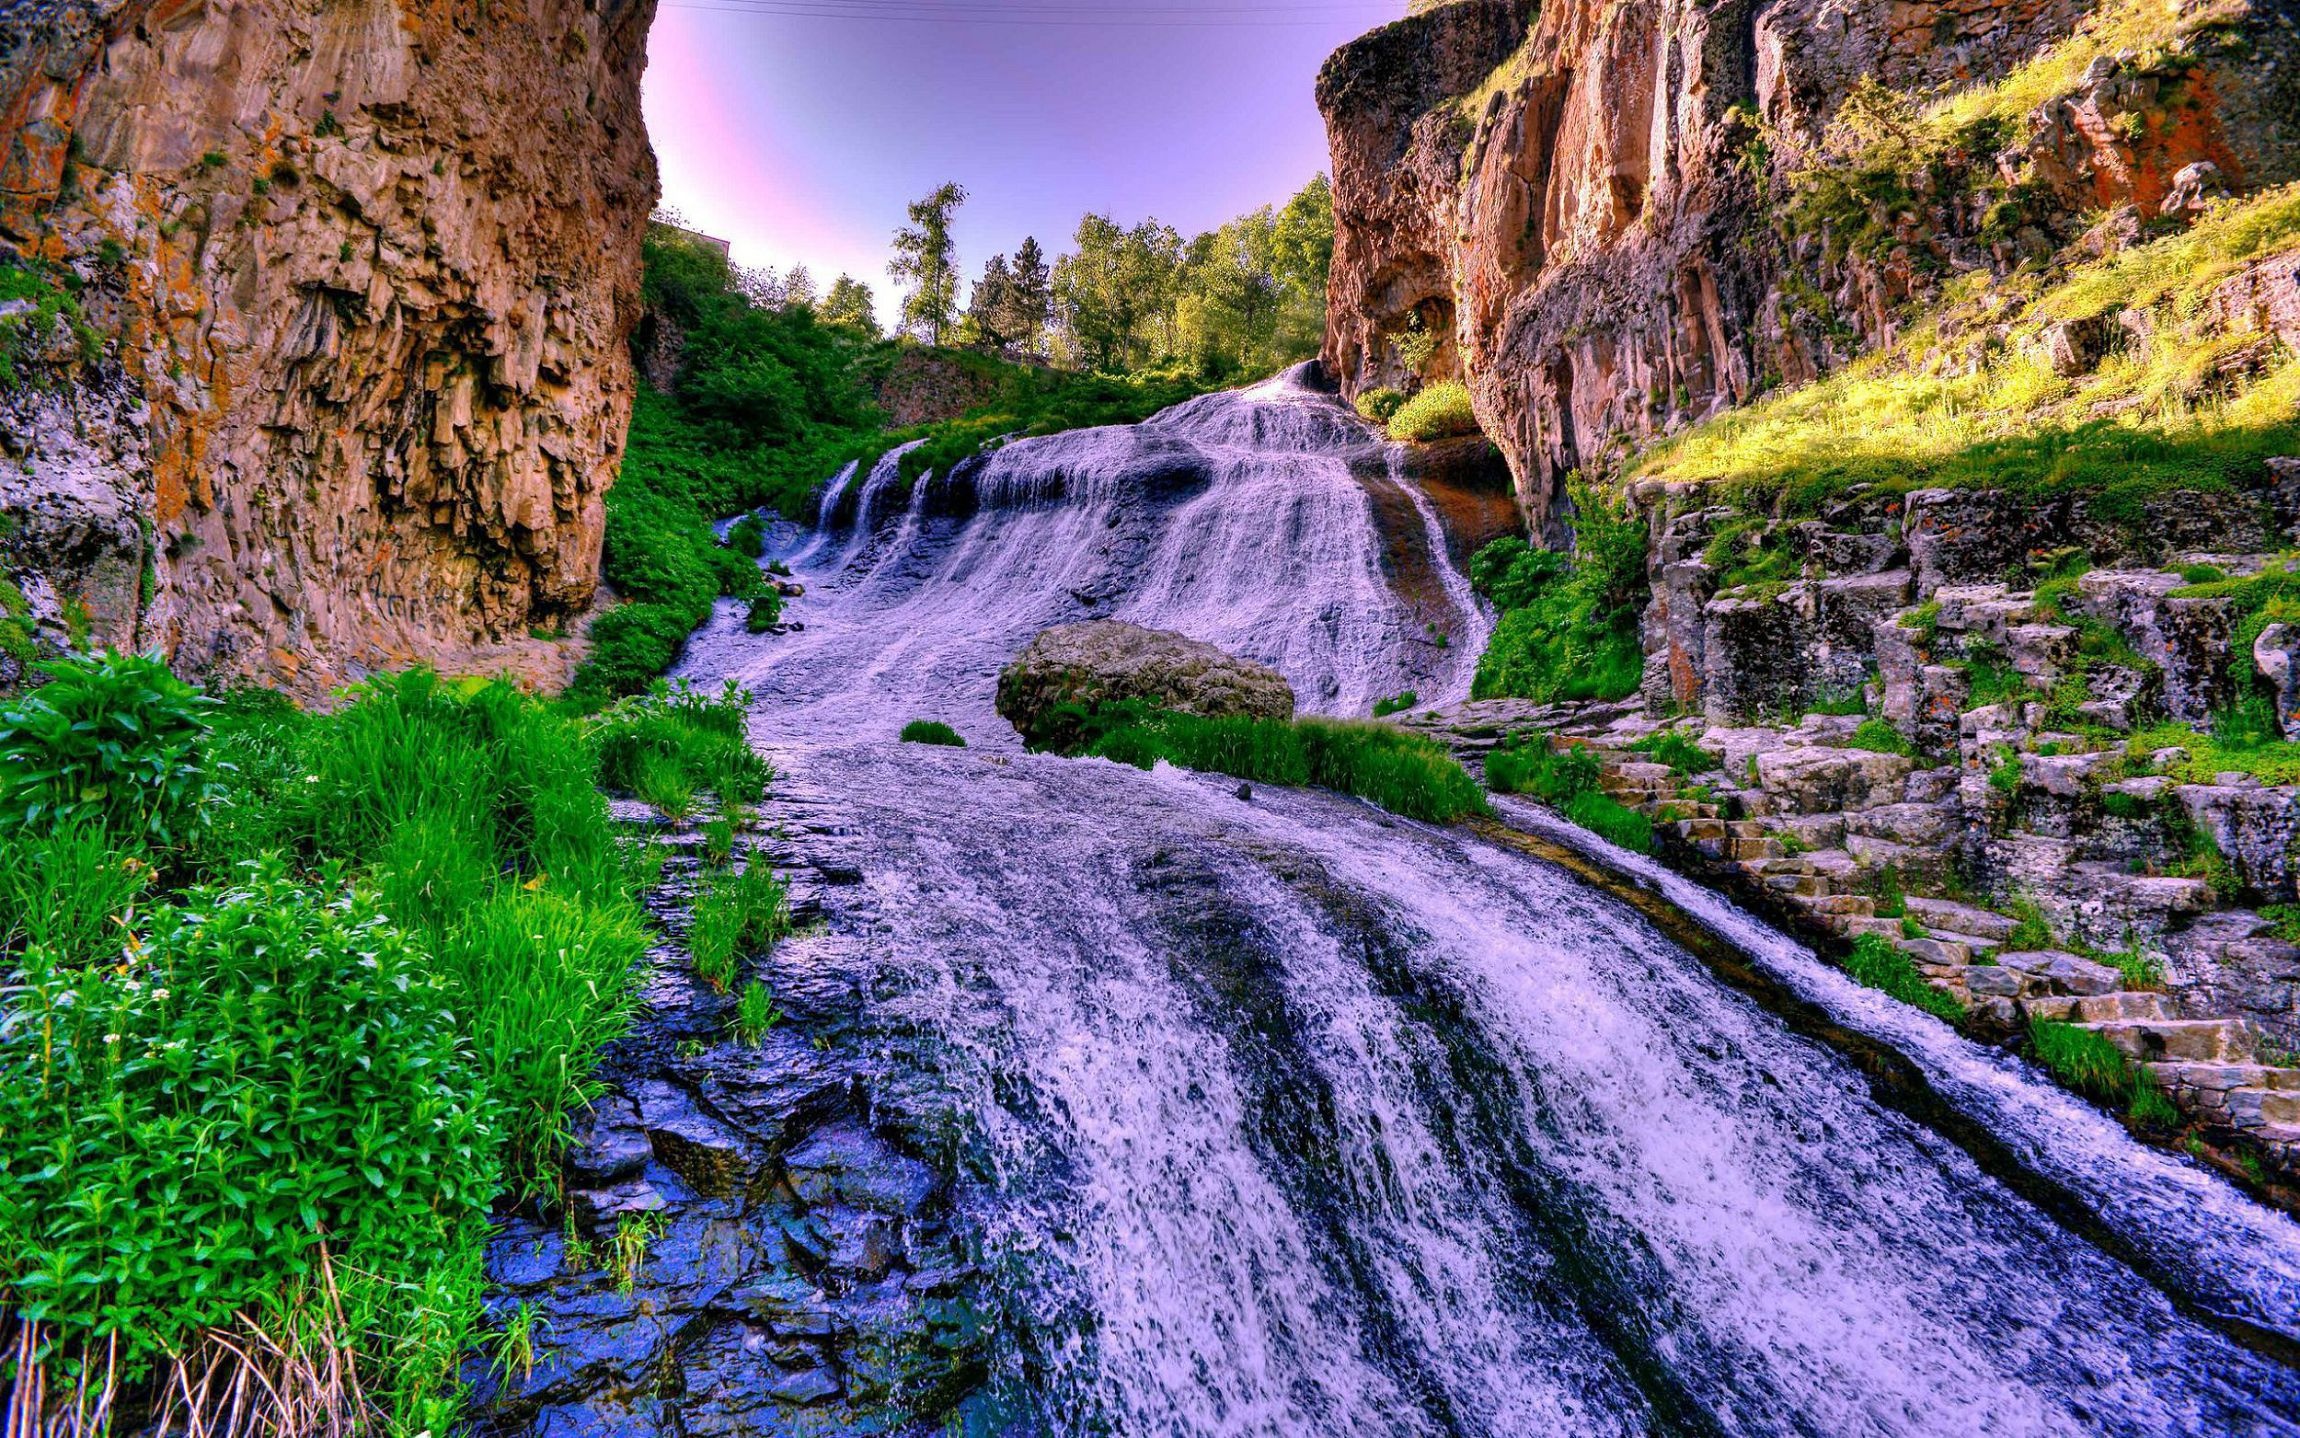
(1283, 1116)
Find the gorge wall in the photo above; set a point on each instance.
(1601, 213)
(316, 324)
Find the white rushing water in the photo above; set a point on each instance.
(1285, 1116)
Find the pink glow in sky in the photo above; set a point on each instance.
(799, 129)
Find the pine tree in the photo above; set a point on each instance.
(924, 255)
(1030, 297)
(989, 311)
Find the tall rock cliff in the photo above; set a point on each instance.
(1618, 217)
(315, 323)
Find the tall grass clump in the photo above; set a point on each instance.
(287, 1002)
(1404, 773)
(1875, 963)
(932, 731)
(674, 740)
(736, 915)
(1567, 780)
(2098, 1069)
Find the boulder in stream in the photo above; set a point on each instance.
(1104, 661)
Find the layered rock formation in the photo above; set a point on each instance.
(363, 272)
(1590, 206)
(1104, 661)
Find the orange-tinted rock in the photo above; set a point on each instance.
(366, 270)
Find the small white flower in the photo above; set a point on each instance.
(111, 1038)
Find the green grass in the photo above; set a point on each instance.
(2098, 1069)
(1395, 704)
(755, 1013)
(1439, 411)
(2141, 427)
(932, 731)
(736, 915)
(1404, 773)
(1875, 963)
(1879, 737)
(356, 996)
(1679, 752)
(674, 741)
(1567, 780)
(1380, 406)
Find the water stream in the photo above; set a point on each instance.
(1281, 1115)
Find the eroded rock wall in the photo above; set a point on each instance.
(1589, 202)
(363, 272)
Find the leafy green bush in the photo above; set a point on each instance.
(1572, 632)
(1606, 817)
(1527, 764)
(1396, 704)
(765, 613)
(1380, 405)
(748, 536)
(931, 731)
(111, 739)
(278, 1067)
(2098, 1069)
(1439, 411)
(1875, 963)
(1404, 773)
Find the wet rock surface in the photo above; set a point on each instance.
(1105, 662)
(751, 1239)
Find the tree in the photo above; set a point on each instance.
(799, 288)
(1116, 293)
(1030, 296)
(988, 311)
(850, 304)
(925, 256)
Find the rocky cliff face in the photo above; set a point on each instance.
(340, 374)
(1606, 212)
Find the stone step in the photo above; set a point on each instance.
(2260, 1107)
(1854, 905)
(1755, 848)
(1963, 918)
(1798, 886)
(1975, 944)
(1935, 952)
(1853, 926)
(1749, 829)
(2063, 973)
(1701, 830)
(2206, 1040)
(2125, 1005)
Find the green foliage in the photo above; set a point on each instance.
(1891, 894)
(52, 293)
(1576, 634)
(111, 740)
(765, 612)
(1567, 779)
(1512, 573)
(747, 536)
(1439, 411)
(2086, 1062)
(2031, 929)
(931, 731)
(2004, 770)
(1677, 750)
(675, 740)
(1396, 704)
(1879, 737)
(925, 255)
(70, 891)
(736, 914)
(1875, 963)
(755, 1013)
(1380, 405)
(1404, 773)
(279, 1066)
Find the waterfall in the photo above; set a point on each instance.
(1278, 1115)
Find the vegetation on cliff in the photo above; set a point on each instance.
(1568, 627)
(296, 998)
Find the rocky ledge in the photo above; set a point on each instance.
(746, 1241)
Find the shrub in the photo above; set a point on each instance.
(1575, 634)
(1404, 773)
(277, 1068)
(932, 731)
(2083, 1060)
(1440, 411)
(1380, 405)
(747, 536)
(1610, 820)
(1396, 704)
(1526, 764)
(1875, 963)
(765, 612)
(111, 739)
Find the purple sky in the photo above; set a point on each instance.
(799, 129)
